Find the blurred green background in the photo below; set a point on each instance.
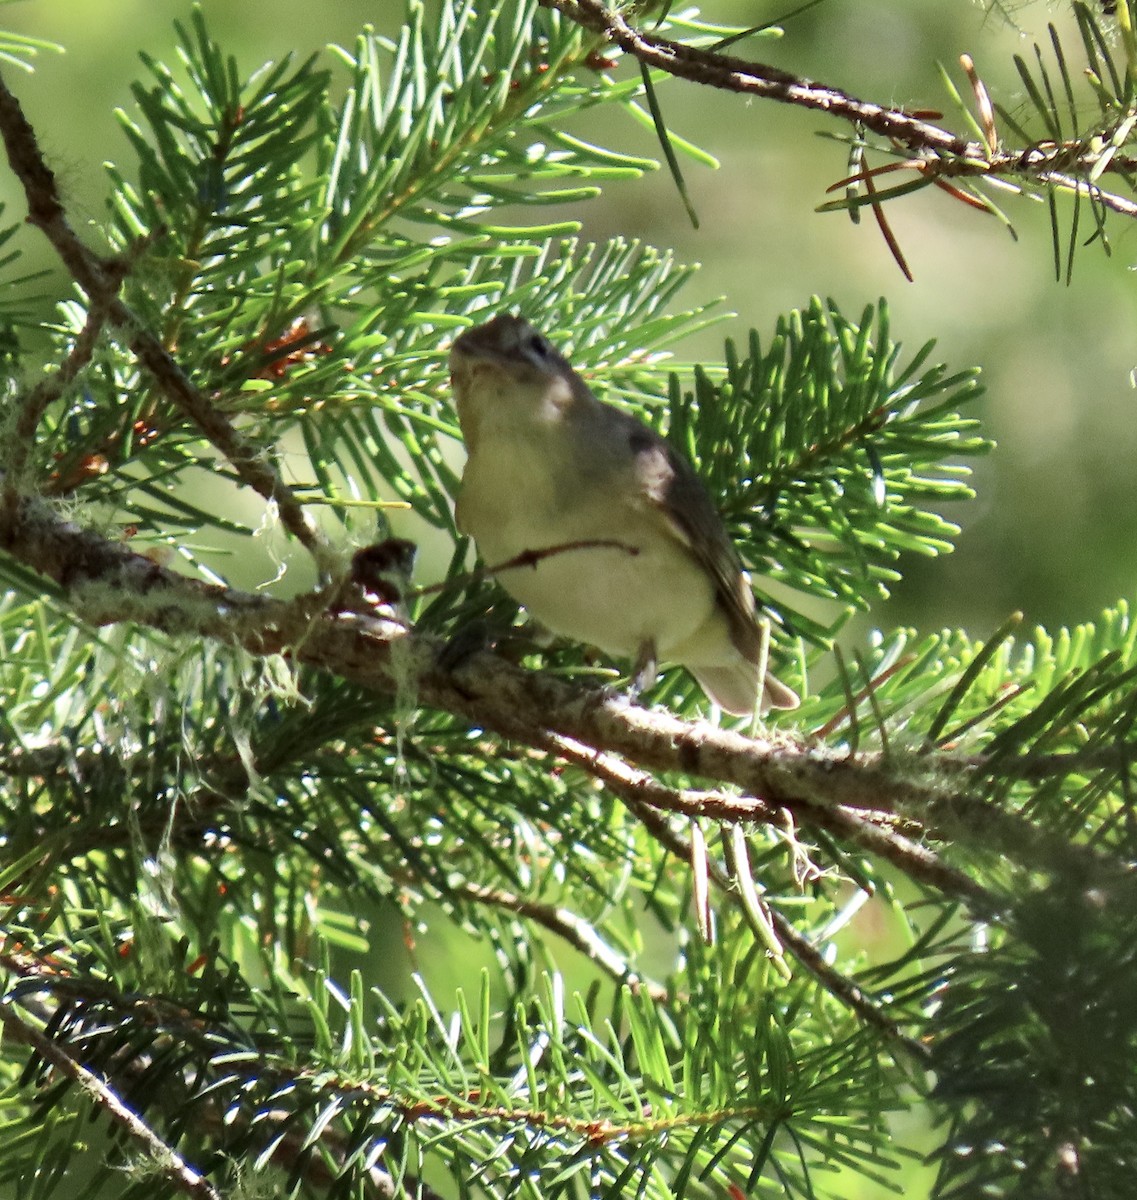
(1052, 532)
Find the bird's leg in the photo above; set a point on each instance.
(468, 640)
(511, 642)
(536, 633)
(646, 669)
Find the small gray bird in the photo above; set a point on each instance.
(552, 471)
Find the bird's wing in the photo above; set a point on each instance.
(670, 484)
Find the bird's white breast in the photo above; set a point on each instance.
(518, 495)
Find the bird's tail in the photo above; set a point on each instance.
(735, 688)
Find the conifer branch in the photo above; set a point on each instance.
(935, 152)
(725, 71)
(167, 1161)
(101, 280)
(181, 948)
(291, 1148)
(109, 583)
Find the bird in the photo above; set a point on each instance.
(596, 524)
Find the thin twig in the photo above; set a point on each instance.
(167, 1161)
(232, 1108)
(838, 985)
(46, 392)
(527, 558)
(753, 78)
(1083, 187)
(571, 928)
(940, 151)
(918, 862)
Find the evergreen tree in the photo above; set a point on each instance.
(242, 807)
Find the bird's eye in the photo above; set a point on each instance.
(539, 346)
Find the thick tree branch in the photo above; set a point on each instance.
(106, 582)
(846, 794)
